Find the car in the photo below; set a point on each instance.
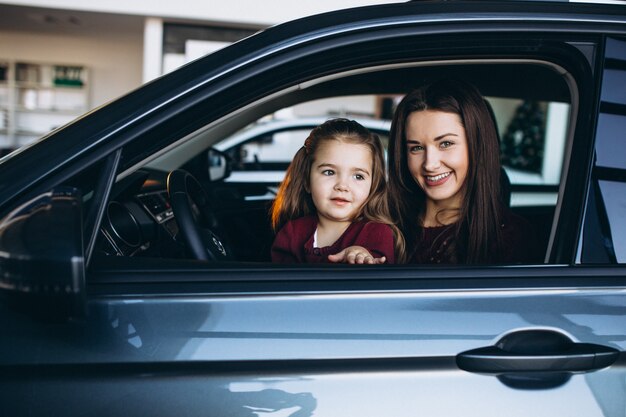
(136, 279)
(261, 152)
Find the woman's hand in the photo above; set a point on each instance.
(356, 255)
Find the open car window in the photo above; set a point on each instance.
(259, 141)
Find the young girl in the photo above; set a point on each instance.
(444, 178)
(332, 205)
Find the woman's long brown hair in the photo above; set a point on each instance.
(477, 233)
(293, 199)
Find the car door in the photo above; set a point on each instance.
(164, 337)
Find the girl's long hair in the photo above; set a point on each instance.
(477, 234)
(293, 199)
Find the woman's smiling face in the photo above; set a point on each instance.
(437, 156)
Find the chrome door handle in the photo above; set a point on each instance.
(537, 351)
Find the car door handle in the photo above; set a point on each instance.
(537, 351)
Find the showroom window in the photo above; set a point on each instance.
(184, 43)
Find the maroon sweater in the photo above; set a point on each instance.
(294, 242)
(520, 244)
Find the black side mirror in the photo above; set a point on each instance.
(42, 263)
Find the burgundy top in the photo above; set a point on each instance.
(520, 243)
(294, 242)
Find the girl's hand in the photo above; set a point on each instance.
(356, 255)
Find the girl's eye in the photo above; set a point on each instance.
(359, 177)
(328, 172)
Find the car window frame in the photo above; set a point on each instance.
(573, 116)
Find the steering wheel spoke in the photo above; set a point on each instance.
(196, 221)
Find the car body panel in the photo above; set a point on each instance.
(381, 350)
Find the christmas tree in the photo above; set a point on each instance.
(523, 143)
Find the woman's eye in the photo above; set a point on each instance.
(328, 172)
(416, 149)
(446, 144)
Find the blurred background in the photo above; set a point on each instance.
(62, 58)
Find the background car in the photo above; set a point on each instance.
(262, 152)
(135, 279)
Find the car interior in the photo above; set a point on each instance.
(536, 132)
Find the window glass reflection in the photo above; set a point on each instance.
(611, 145)
(615, 49)
(614, 196)
(613, 90)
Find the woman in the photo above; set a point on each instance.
(444, 179)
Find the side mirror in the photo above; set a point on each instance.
(42, 263)
(219, 165)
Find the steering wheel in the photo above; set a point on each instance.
(196, 222)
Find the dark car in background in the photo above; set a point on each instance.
(135, 277)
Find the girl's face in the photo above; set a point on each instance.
(437, 156)
(341, 179)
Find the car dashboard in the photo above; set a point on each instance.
(139, 220)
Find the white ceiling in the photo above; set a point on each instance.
(40, 20)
